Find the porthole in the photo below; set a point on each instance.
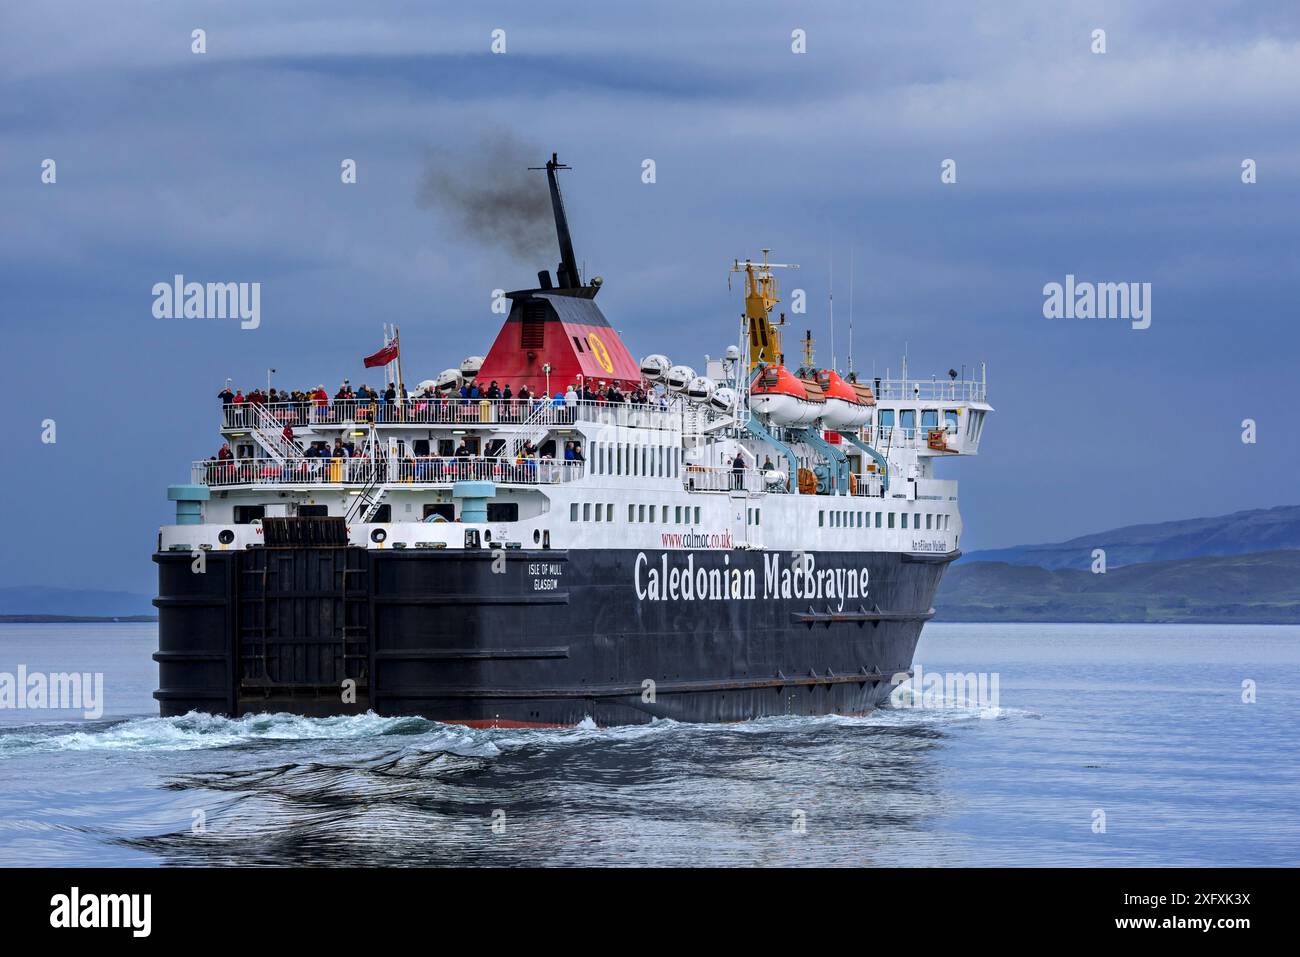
(226, 536)
(378, 535)
(537, 535)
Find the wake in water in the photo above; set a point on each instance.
(199, 731)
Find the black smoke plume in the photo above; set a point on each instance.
(491, 196)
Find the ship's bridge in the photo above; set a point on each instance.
(931, 416)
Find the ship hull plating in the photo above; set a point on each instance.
(540, 637)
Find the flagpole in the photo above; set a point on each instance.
(401, 385)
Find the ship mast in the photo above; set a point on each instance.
(761, 295)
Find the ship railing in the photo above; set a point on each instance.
(433, 470)
(866, 485)
(634, 415)
(709, 478)
(449, 411)
(364, 412)
(928, 390)
(361, 471)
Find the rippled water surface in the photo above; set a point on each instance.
(1144, 724)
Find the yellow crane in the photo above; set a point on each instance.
(761, 295)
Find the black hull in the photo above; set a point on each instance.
(537, 637)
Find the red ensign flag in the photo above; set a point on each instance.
(384, 356)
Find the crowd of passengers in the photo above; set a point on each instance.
(495, 461)
(300, 407)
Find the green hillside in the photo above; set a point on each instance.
(1263, 587)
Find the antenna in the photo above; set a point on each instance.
(851, 314)
(831, 284)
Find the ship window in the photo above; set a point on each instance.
(877, 520)
(950, 417)
(891, 519)
(313, 510)
(697, 515)
(246, 513)
(907, 420)
(618, 462)
(930, 419)
(503, 512)
(886, 418)
(577, 344)
(599, 512)
(677, 515)
(652, 513)
(573, 511)
(640, 511)
(609, 512)
(821, 519)
(758, 516)
(586, 511)
(928, 519)
(631, 512)
(645, 455)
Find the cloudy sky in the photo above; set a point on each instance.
(1123, 166)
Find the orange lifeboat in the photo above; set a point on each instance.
(848, 405)
(785, 399)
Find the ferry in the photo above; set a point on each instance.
(610, 540)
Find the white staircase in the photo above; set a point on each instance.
(269, 433)
(535, 426)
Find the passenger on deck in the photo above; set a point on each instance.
(226, 396)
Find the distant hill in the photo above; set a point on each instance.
(43, 602)
(1261, 588)
(1258, 530)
